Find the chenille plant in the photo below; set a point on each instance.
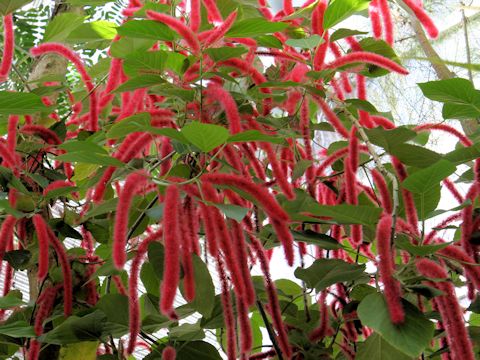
(188, 156)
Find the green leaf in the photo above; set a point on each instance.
(326, 272)
(419, 250)
(463, 154)
(187, 332)
(376, 348)
(300, 168)
(206, 137)
(146, 29)
(18, 103)
(346, 214)
(412, 337)
(12, 299)
(255, 135)
(145, 63)
(204, 300)
(423, 180)
(77, 329)
(129, 125)
(17, 329)
(389, 139)
(9, 6)
(156, 254)
(323, 241)
(61, 26)
(253, 27)
(192, 350)
(224, 53)
(231, 211)
(76, 145)
(305, 43)
(460, 97)
(115, 307)
(343, 33)
(269, 41)
(142, 81)
(126, 46)
(88, 2)
(85, 350)
(90, 158)
(94, 31)
(18, 259)
(340, 10)
(413, 155)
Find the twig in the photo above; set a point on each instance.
(271, 334)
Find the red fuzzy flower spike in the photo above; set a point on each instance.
(62, 50)
(195, 15)
(423, 17)
(227, 311)
(386, 269)
(133, 305)
(374, 13)
(228, 104)
(213, 14)
(387, 21)
(8, 45)
(450, 310)
(12, 133)
(176, 25)
(6, 233)
(279, 218)
(132, 183)
(171, 236)
(369, 58)
(380, 183)
(43, 240)
(219, 32)
(169, 353)
(66, 272)
(332, 117)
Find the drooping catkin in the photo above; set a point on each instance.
(71, 56)
(450, 310)
(132, 183)
(43, 241)
(133, 304)
(386, 269)
(423, 17)
(369, 58)
(228, 316)
(169, 353)
(8, 47)
(176, 25)
(385, 199)
(171, 236)
(66, 272)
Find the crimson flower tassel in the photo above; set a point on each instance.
(195, 15)
(227, 311)
(213, 14)
(221, 30)
(387, 268)
(171, 236)
(374, 13)
(279, 218)
(450, 310)
(133, 305)
(380, 183)
(132, 183)
(169, 353)
(332, 117)
(423, 17)
(66, 272)
(228, 104)
(387, 21)
(43, 240)
(12, 133)
(176, 25)
(62, 50)
(369, 58)
(6, 233)
(8, 47)
(272, 298)
(186, 252)
(471, 268)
